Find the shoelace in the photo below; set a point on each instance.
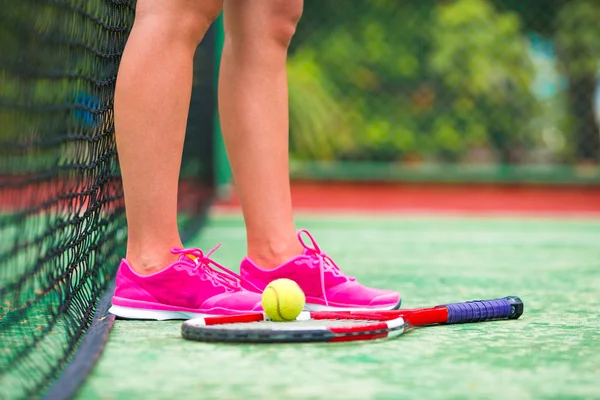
(203, 261)
(322, 260)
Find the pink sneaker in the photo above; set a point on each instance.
(324, 284)
(188, 288)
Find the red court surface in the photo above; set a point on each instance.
(555, 201)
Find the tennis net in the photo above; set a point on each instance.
(62, 219)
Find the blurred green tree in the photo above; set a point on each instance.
(573, 26)
(404, 81)
(482, 59)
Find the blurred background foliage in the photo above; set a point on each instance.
(447, 81)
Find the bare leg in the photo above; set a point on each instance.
(253, 104)
(151, 105)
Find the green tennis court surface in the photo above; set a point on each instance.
(553, 351)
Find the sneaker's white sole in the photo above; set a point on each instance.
(159, 315)
(320, 307)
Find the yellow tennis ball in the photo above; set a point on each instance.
(283, 300)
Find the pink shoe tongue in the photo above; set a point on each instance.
(339, 274)
(312, 253)
(186, 257)
(309, 252)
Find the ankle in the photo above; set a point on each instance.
(149, 261)
(272, 255)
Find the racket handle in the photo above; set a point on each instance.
(510, 307)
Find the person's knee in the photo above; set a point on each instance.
(180, 19)
(283, 19)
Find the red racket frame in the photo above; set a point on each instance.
(415, 317)
(377, 321)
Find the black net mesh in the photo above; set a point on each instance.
(62, 220)
(454, 82)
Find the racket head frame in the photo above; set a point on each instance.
(375, 324)
(309, 327)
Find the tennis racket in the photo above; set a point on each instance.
(345, 326)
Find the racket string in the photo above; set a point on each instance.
(234, 330)
(297, 324)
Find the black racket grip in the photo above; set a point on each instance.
(510, 307)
